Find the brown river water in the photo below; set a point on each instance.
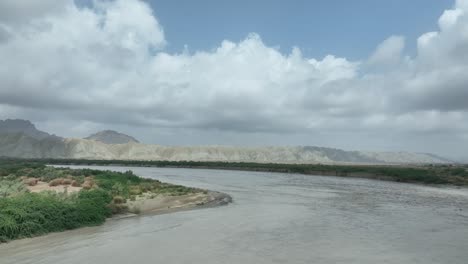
(275, 218)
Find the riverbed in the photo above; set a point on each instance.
(274, 218)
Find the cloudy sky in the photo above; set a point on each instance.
(346, 74)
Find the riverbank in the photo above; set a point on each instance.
(36, 199)
(169, 204)
(428, 174)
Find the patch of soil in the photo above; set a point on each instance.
(44, 186)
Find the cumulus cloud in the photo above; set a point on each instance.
(13, 11)
(106, 64)
(388, 52)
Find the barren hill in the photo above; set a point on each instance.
(112, 137)
(30, 143)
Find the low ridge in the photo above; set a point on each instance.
(21, 139)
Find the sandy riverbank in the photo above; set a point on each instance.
(163, 204)
(149, 203)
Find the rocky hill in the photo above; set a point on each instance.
(112, 137)
(31, 143)
(21, 126)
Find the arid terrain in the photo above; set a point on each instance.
(20, 138)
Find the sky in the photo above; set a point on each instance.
(351, 29)
(356, 75)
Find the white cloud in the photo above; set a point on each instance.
(19, 12)
(389, 52)
(107, 64)
(449, 18)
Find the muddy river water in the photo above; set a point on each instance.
(275, 218)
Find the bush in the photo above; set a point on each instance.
(119, 200)
(86, 186)
(459, 172)
(11, 187)
(33, 214)
(30, 181)
(75, 183)
(119, 189)
(135, 190)
(55, 182)
(66, 181)
(48, 174)
(118, 208)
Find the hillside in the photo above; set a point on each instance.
(106, 145)
(21, 126)
(112, 137)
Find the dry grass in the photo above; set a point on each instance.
(119, 200)
(66, 181)
(118, 208)
(55, 182)
(44, 186)
(135, 190)
(30, 181)
(88, 185)
(75, 184)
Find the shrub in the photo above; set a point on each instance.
(135, 190)
(30, 181)
(66, 181)
(87, 185)
(11, 187)
(118, 208)
(92, 206)
(147, 187)
(32, 214)
(55, 182)
(88, 178)
(458, 172)
(119, 189)
(119, 200)
(75, 183)
(48, 174)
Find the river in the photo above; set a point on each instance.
(275, 218)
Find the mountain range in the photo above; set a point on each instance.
(20, 138)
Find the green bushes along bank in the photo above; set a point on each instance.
(33, 214)
(454, 174)
(96, 196)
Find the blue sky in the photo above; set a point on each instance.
(350, 29)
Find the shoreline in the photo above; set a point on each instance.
(379, 176)
(215, 199)
(38, 199)
(171, 204)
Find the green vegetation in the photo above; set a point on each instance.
(426, 174)
(11, 187)
(33, 214)
(100, 194)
